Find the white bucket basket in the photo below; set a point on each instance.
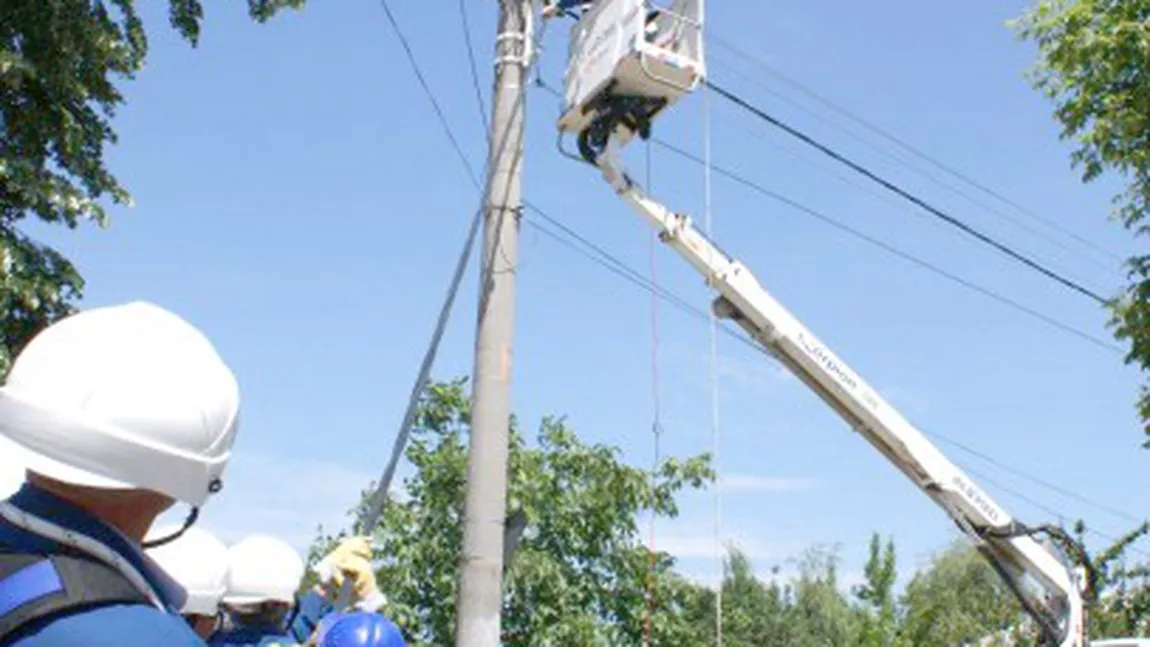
(635, 49)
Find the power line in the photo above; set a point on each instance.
(949, 186)
(890, 186)
(607, 261)
(467, 44)
(415, 67)
(601, 257)
(1038, 481)
(731, 175)
(1047, 509)
(378, 498)
(809, 92)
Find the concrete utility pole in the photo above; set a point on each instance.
(481, 577)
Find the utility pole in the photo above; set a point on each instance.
(481, 574)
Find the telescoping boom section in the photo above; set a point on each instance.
(629, 61)
(1040, 574)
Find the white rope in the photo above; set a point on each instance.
(656, 423)
(716, 427)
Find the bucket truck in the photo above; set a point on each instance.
(628, 61)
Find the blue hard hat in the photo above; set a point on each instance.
(359, 629)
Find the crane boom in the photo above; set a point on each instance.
(1048, 588)
(631, 59)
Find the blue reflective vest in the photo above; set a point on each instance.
(107, 625)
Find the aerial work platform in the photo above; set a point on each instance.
(631, 56)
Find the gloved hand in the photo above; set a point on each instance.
(326, 568)
(361, 574)
(351, 562)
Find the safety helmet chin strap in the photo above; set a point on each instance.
(215, 486)
(188, 521)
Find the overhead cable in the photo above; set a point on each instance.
(887, 247)
(903, 193)
(903, 144)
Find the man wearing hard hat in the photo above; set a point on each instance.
(263, 577)
(124, 411)
(198, 562)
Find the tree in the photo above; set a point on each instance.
(755, 613)
(822, 615)
(580, 575)
(957, 600)
(60, 63)
(1094, 63)
(1119, 605)
(879, 619)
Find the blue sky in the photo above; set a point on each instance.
(296, 198)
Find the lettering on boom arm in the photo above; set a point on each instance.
(976, 497)
(835, 367)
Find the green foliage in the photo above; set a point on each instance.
(1121, 604)
(958, 600)
(1094, 64)
(60, 63)
(822, 615)
(878, 624)
(579, 576)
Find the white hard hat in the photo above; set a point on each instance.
(13, 463)
(198, 562)
(128, 396)
(262, 568)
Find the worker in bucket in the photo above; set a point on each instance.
(264, 575)
(198, 562)
(124, 410)
(359, 629)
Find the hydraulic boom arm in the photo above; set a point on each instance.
(1049, 589)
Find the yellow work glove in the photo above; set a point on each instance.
(359, 546)
(359, 571)
(350, 561)
(325, 569)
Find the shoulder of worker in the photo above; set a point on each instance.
(118, 625)
(115, 622)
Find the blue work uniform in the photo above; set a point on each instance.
(310, 609)
(107, 625)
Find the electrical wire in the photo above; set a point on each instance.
(906, 195)
(778, 197)
(418, 71)
(595, 253)
(901, 143)
(378, 498)
(882, 245)
(1122, 514)
(1044, 507)
(1078, 252)
(470, 48)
